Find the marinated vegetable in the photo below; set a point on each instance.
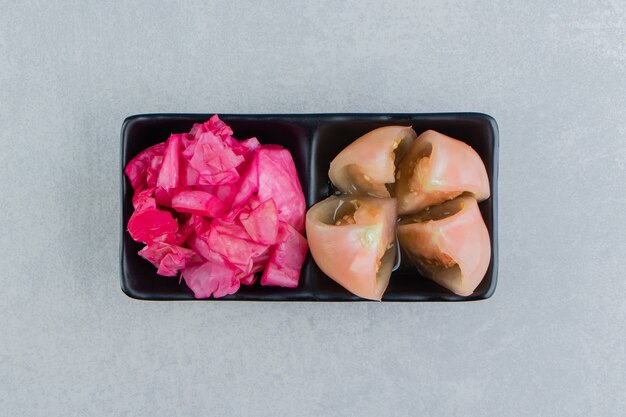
(438, 168)
(368, 164)
(448, 243)
(218, 210)
(437, 181)
(352, 240)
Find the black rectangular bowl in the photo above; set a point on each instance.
(313, 140)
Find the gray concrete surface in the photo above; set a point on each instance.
(550, 342)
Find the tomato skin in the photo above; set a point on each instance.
(438, 168)
(461, 237)
(350, 253)
(368, 163)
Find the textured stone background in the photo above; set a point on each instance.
(550, 342)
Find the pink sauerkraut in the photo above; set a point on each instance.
(218, 210)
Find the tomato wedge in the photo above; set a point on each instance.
(369, 163)
(352, 239)
(438, 168)
(449, 244)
